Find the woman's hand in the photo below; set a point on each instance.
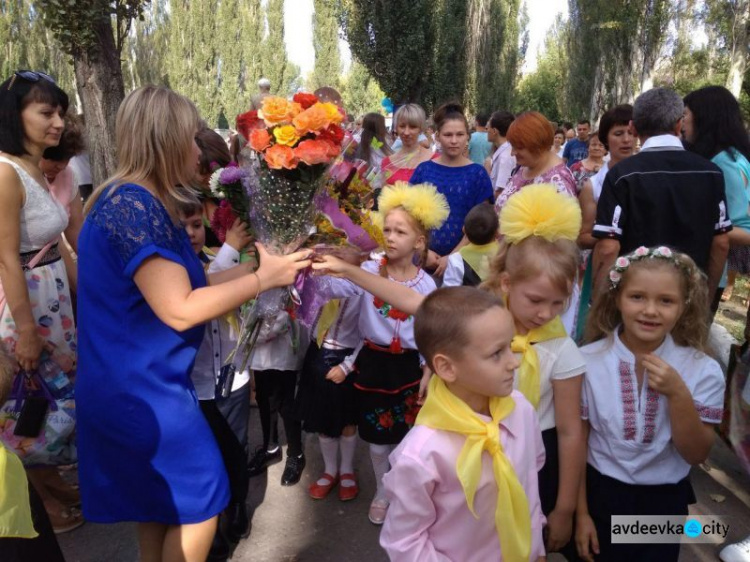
(280, 271)
(331, 265)
(587, 541)
(237, 235)
(442, 265)
(28, 348)
(336, 374)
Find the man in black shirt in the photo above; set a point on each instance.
(662, 196)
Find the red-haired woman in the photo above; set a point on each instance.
(530, 136)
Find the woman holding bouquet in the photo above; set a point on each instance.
(143, 300)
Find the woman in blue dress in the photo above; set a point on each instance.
(146, 453)
(463, 183)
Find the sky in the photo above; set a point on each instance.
(298, 31)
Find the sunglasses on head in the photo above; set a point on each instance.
(30, 76)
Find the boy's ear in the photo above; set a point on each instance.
(443, 366)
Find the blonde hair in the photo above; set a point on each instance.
(412, 114)
(531, 257)
(691, 329)
(421, 230)
(154, 135)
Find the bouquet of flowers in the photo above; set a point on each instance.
(294, 143)
(227, 184)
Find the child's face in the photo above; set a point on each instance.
(533, 302)
(651, 302)
(401, 238)
(486, 366)
(195, 231)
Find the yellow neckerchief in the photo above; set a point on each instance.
(15, 512)
(479, 257)
(230, 317)
(528, 373)
(327, 317)
(444, 411)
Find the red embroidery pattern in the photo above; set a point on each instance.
(652, 409)
(627, 392)
(388, 311)
(709, 413)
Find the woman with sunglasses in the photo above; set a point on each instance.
(36, 316)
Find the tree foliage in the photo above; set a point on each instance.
(327, 71)
(283, 74)
(360, 92)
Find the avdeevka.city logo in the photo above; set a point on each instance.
(693, 528)
(636, 529)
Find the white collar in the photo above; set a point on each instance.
(500, 149)
(624, 353)
(663, 141)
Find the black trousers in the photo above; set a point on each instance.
(234, 456)
(42, 548)
(274, 392)
(236, 410)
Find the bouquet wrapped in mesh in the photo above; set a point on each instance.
(294, 143)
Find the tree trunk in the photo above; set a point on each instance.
(100, 85)
(738, 57)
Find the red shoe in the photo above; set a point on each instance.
(347, 493)
(318, 492)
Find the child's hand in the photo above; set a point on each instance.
(559, 530)
(336, 374)
(237, 236)
(426, 374)
(330, 265)
(442, 265)
(432, 260)
(662, 377)
(587, 541)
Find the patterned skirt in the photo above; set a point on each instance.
(739, 259)
(388, 388)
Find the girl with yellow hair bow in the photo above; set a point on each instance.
(389, 375)
(535, 271)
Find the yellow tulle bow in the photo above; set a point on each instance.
(444, 411)
(15, 513)
(421, 201)
(528, 373)
(539, 210)
(327, 317)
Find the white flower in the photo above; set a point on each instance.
(213, 183)
(622, 262)
(615, 276)
(664, 251)
(641, 251)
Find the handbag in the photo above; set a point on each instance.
(54, 445)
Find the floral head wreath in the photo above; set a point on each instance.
(422, 201)
(639, 254)
(539, 210)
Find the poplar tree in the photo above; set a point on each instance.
(327, 69)
(360, 92)
(283, 74)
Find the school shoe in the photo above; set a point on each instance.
(293, 470)
(262, 459)
(378, 511)
(347, 493)
(737, 552)
(318, 491)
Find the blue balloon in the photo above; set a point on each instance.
(387, 102)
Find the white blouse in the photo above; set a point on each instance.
(631, 436)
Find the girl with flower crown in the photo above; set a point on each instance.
(535, 271)
(389, 368)
(650, 399)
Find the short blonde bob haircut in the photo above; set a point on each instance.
(154, 135)
(411, 114)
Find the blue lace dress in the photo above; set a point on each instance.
(146, 452)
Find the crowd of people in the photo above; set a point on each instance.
(526, 357)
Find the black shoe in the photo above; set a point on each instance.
(262, 459)
(238, 526)
(293, 470)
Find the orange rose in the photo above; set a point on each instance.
(311, 120)
(313, 152)
(280, 156)
(274, 110)
(332, 149)
(286, 134)
(334, 114)
(293, 109)
(259, 139)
